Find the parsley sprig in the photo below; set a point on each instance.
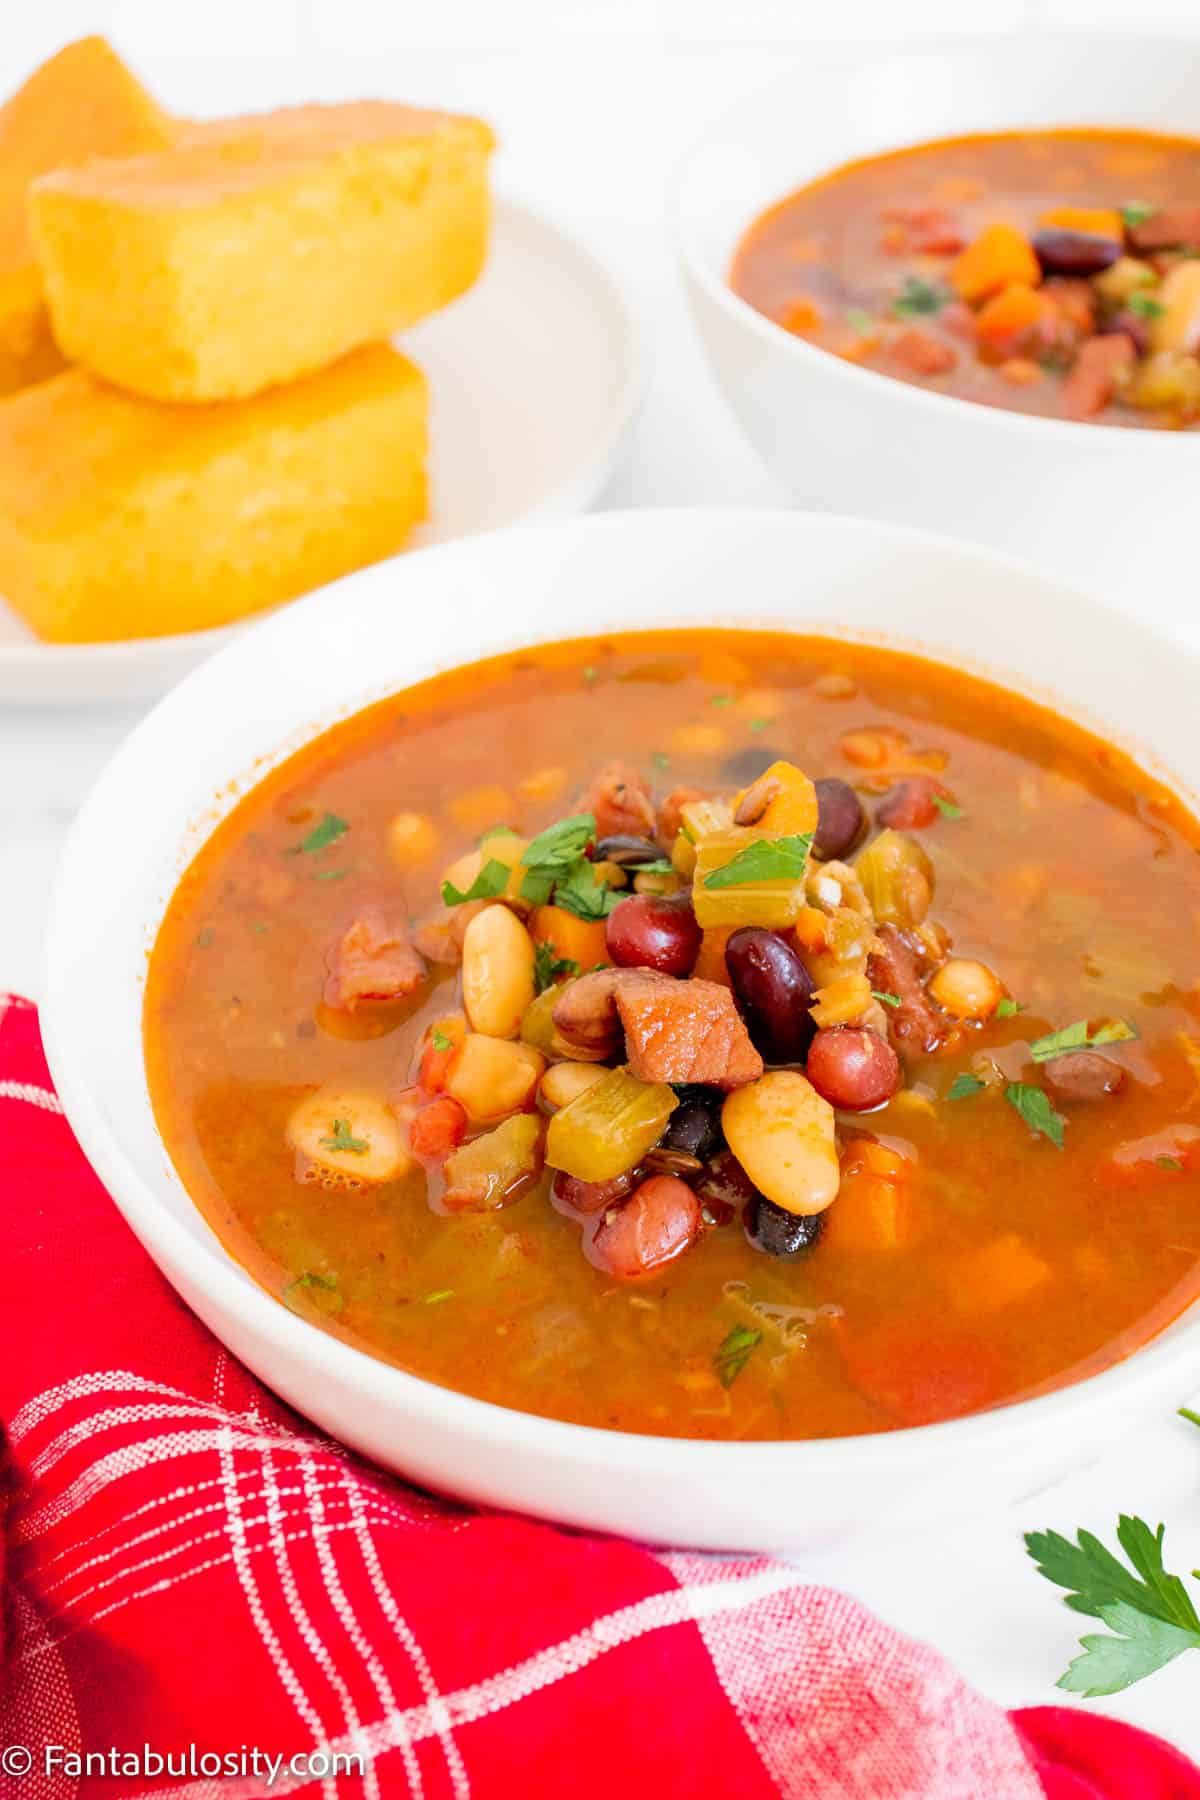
(342, 1138)
(547, 967)
(735, 1351)
(327, 831)
(1081, 1036)
(1150, 1615)
(767, 859)
(917, 298)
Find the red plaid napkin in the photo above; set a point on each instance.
(192, 1570)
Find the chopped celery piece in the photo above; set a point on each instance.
(609, 1127)
(897, 878)
(537, 1021)
(773, 904)
(702, 817)
(493, 1169)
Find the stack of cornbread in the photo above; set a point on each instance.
(201, 415)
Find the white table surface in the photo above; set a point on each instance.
(593, 98)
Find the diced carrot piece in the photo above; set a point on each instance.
(1011, 318)
(870, 1213)
(923, 353)
(441, 1041)
(869, 1155)
(437, 1129)
(570, 938)
(919, 1372)
(1001, 1274)
(1100, 221)
(710, 963)
(800, 316)
(999, 255)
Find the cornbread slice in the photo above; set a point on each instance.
(261, 248)
(82, 103)
(122, 518)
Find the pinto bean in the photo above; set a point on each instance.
(656, 1224)
(911, 804)
(574, 1197)
(894, 967)
(1082, 1076)
(585, 1016)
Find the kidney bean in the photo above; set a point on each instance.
(626, 852)
(773, 991)
(657, 1223)
(841, 820)
(571, 1196)
(1080, 1076)
(747, 765)
(695, 1126)
(1063, 252)
(853, 1068)
(654, 931)
(911, 805)
(780, 1233)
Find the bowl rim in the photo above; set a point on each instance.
(1103, 437)
(236, 1296)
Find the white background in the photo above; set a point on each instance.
(593, 99)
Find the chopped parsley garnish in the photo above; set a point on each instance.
(581, 892)
(1136, 212)
(1148, 1611)
(1033, 1104)
(327, 832)
(260, 925)
(964, 1085)
(1008, 1009)
(205, 937)
(661, 760)
(496, 831)
(759, 724)
(767, 859)
(1169, 1162)
(491, 880)
(1054, 362)
(312, 1290)
(438, 1295)
(917, 299)
(735, 1352)
(949, 809)
(590, 674)
(860, 320)
(659, 865)
(343, 1139)
(331, 874)
(1080, 1036)
(721, 700)
(553, 853)
(547, 967)
(1145, 306)
(441, 1040)
(887, 999)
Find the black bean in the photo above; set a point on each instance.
(1063, 252)
(747, 765)
(778, 1232)
(629, 852)
(773, 992)
(841, 820)
(695, 1127)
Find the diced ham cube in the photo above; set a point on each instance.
(619, 798)
(1099, 368)
(1169, 226)
(682, 1031)
(372, 961)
